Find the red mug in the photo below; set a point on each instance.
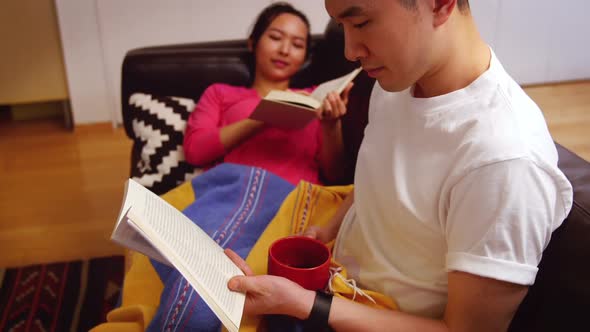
(301, 259)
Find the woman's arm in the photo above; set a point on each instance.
(204, 140)
(331, 155)
(235, 133)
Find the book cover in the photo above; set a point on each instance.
(292, 110)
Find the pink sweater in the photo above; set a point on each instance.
(291, 154)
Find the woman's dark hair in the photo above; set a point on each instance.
(264, 20)
(268, 15)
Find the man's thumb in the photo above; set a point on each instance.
(241, 284)
(235, 284)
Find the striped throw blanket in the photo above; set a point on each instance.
(233, 204)
(242, 208)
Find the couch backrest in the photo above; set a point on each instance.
(181, 70)
(187, 70)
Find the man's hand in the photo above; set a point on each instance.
(334, 106)
(267, 294)
(328, 232)
(321, 234)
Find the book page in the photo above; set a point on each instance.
(127, 236)
(194, 254)
(337, 84)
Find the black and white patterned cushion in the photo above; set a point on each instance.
(158, 161)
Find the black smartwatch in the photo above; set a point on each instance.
(320, 312)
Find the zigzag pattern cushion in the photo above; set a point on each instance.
(158, 161)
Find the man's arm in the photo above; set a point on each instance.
(474, 304)
(482, 304)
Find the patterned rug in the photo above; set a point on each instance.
(70, 296)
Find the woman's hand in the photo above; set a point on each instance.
(302, 92)
(334, 106)
(267, 294)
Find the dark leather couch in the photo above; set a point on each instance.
(561, 294)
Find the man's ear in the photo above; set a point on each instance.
(250, 45)
(442, 10)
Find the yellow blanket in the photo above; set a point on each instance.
(307, 205)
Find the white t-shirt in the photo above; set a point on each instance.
(466, 181)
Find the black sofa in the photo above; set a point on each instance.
(561, 294)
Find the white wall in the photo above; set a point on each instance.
(536, 40)
(569, 50)
(83, 58)
(97, 34)
(522, 39)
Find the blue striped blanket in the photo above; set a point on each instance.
(233, 204)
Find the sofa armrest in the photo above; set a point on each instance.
(561, 294)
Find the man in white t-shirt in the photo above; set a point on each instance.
(457, 190)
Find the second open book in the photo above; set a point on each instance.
(292, 110)
(150, 225)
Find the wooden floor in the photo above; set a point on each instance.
(567, 110)
(60, 192)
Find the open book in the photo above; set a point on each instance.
(294, 110)
(155, 228)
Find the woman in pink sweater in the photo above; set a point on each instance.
(219, 128)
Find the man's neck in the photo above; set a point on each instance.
(466, 57)
(264, 86)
